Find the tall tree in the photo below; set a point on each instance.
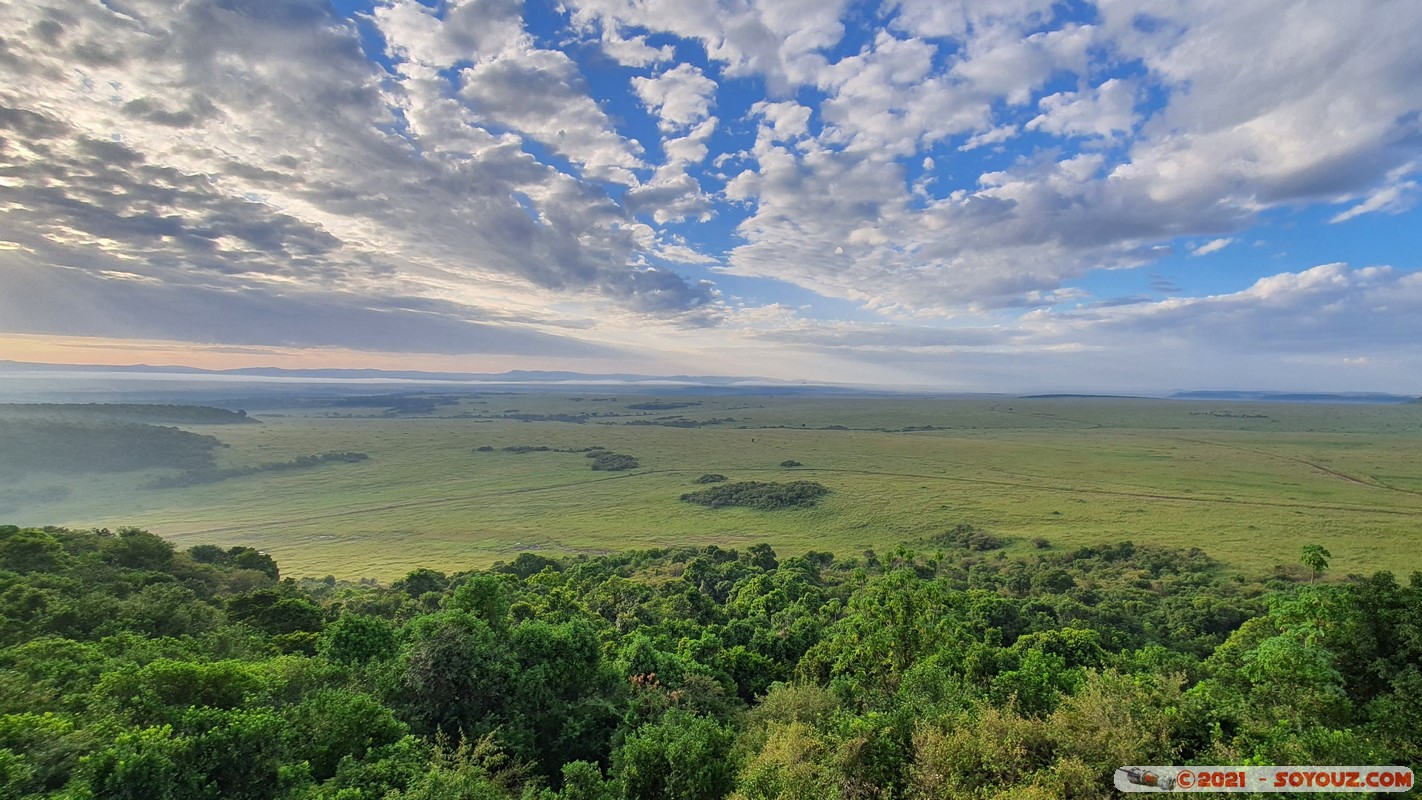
(1315, 557)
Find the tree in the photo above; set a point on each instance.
(138, 549)
(357, 639)
(682, 757)
(1315, 557)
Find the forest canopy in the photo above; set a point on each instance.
(132, 669)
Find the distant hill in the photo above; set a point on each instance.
(512, 376)
(1085, 397)
(1298, 397)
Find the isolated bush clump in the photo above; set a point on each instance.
(711, 477)
(762, 495)
(1042, 543)
(967, 537)
(791, 463)
(520, 449)
(613, 462)
(484, 449)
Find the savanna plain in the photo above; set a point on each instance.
(461, 481)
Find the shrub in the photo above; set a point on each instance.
(711, 477)
(967, 537)
(759, 494)
(613, 462)
(791, 463)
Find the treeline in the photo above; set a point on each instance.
(198, 477)
(131, 670)
(75, 447)
(149, 413)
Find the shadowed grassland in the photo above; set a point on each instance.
(1251, 483)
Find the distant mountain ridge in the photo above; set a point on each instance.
(512, 376)
(1299, 397)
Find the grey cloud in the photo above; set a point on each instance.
(542, 94)
(844, 336)
(1115, 302)
(49, 300)
(665, 292)
(1328, 328)
(244, 138)
(1325, 309)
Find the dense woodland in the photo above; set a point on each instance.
(131, 670)
(64, 446)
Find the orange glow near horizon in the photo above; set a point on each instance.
(82, 350)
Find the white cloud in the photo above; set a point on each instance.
(680, 97)
(541, 93)
(467, 30)
(633, 51)
(786, 121)
(779, 40)
(1104, 112)
(953, 19)
(1212, 246)
(1393, 199)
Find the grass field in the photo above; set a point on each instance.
(1251, 484)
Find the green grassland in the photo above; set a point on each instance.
(1249, 483)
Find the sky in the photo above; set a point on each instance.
(968, 195)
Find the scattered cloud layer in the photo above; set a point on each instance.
(977, 194)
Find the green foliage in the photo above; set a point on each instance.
(456, 673)
(272, 612)
(127, 412)
(682, 757)
(1315, 557)
(29, 550)
(239, 557)
(711, 477)
(968, 537)
(138, 549)
(329, 725)
(198, 477)
(528, 564)
(128, 670)
(358, 639)
(613, 462)
(484, 596)
(762, 495)
(82, 446)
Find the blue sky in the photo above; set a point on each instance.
(969, 195)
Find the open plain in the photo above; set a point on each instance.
(1249, 483)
